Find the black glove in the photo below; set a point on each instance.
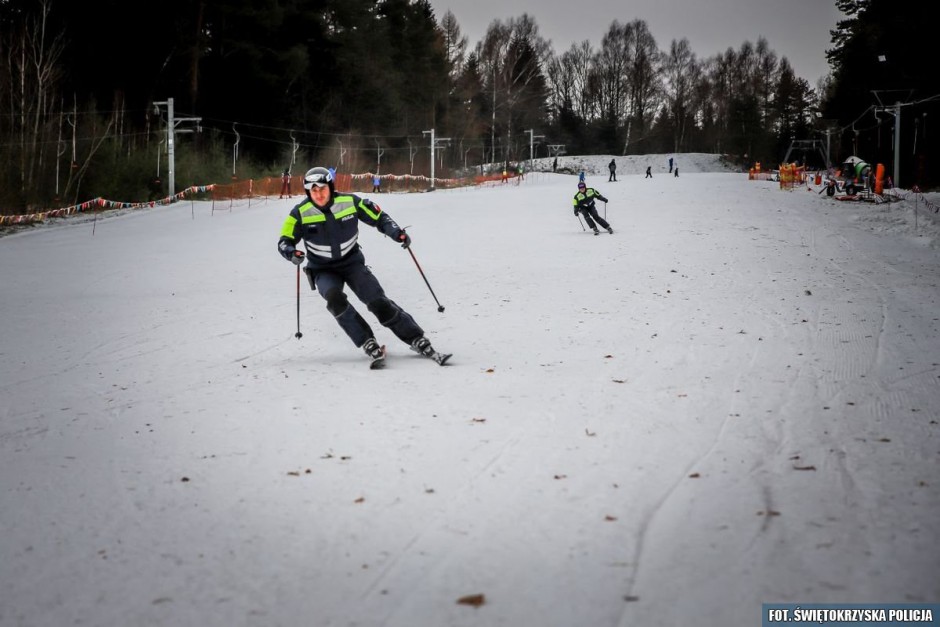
(285, 247)
(576, 211)
(287, 250)
(404, 238)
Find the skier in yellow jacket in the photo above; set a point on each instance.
(328, 223)
(584, 203)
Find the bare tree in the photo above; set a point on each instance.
(644, 79)
(724, 87)
(85, 132)
(489, 53)
(31, 56)
(681, 70)
(560, 92)
(570, 78)
(511, 57)
(610, 64)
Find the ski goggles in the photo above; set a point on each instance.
(317, 179)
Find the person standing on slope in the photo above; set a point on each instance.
(612, 166)
(584, 203)
(328, 223)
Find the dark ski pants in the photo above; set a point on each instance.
(590, 216)
(329, 282)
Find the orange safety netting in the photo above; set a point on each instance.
(268, 187)
(356, 183)
(95, 204)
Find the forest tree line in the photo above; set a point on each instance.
(269, 85)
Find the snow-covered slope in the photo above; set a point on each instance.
(732, 400)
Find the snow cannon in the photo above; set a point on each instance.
(856, 174)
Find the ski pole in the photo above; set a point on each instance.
(605, 209)
(298, 335)
(440, 307)
(579, 222)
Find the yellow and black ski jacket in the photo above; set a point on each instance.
(331, 233)
(584, 201)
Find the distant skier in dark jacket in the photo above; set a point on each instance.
(584, 203)
(328, 223)
(612, 166)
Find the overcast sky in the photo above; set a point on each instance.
(798, 29)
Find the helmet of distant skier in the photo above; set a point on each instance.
(318, 177)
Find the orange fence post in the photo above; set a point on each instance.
(879, 179)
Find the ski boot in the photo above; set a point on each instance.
(375, 352)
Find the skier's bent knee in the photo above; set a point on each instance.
(336, 301)
(383, 309)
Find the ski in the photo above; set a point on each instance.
(440, 358)
(423, 347)
(378, 362)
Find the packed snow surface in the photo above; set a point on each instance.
(732, 400)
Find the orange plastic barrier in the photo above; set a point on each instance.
(791, 175)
